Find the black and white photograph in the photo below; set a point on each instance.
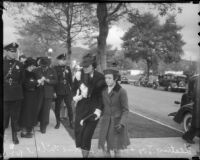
(100, 79)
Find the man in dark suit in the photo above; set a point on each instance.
(63, 89)
(47, 78)
(13, 93)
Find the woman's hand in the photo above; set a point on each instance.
(84, 90)
(97, 112)
(119, 128)
(78, 75)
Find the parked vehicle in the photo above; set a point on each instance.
(124, 79)
(171, 82)
(184, 115)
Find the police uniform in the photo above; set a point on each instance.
(45, 91)
(63, 90)
(13, 93)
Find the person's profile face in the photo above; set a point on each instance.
(10, 55)
(88, 69)
(23, 60)
(109, 78)
(62, 62)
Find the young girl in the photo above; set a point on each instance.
(113, 127)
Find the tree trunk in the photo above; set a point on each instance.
(148, 68)
(69, 47)
(102, 14)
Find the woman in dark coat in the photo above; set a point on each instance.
(87, 87)
(29, 106)
(113, 127)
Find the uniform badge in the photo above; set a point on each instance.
(66, 71)
(17, 67)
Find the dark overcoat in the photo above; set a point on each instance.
(29, 108)
(87, 106)
(64, 84)
(45, 93)
(115, 112)
(48, 87)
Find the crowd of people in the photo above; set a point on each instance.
(30, 86)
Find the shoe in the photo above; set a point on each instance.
(43, 131)
(26, 135)
(57, 126)
(188, 140)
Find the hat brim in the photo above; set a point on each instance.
(111, 71)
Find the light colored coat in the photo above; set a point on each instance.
(115, 112)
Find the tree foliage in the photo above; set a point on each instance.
(149, 40)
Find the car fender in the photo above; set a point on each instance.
(182, 111)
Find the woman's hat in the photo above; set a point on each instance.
(88, 59)
(44, 61)
(29, 62)
(112, 69)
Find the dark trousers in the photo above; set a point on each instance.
(12, 110)
(83, 134)
(44, 112)
(67, 100)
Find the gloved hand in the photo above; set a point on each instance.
(84, 90)
(77, 97)
(119, 128)
(78, 75)
(97, 112)
(81, 122)
(40, 82)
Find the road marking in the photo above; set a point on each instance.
(156, 121)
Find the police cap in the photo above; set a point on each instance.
(12, 47)
(61, 57)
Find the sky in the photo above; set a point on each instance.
(188, 19)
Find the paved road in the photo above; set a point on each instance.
(155, 104)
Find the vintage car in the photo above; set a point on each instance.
(124, 79)
(184, 115)
(171, 82)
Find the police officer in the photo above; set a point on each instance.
(63, 89)
(46, 78)
(13, 93)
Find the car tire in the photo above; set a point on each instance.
(154, 86)
(187, 120)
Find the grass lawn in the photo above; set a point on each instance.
(138, 127)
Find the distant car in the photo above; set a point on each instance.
(124, 79)
(171, 82)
